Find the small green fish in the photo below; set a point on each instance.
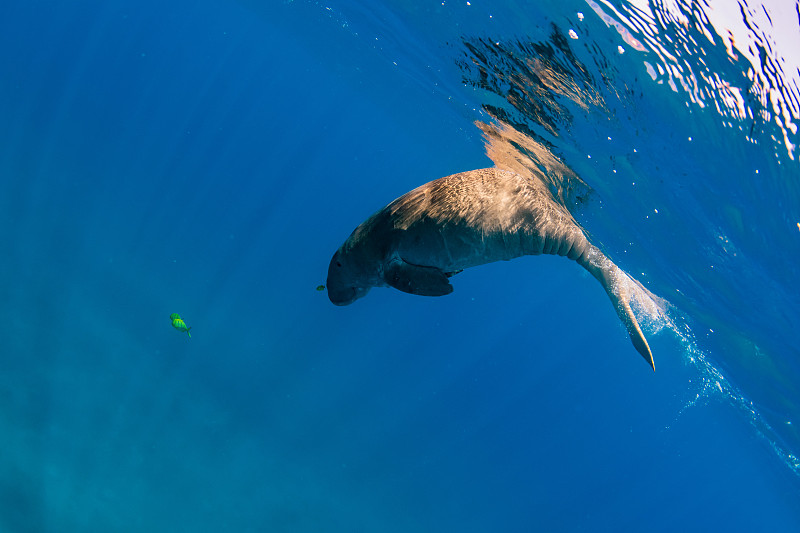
(179, 324)
(320, 287)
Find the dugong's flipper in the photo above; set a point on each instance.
(415, 279)
(616, 283)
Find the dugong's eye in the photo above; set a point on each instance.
(338, 264)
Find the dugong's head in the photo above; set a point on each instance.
(358, 264)
(348, 278)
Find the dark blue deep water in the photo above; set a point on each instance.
(208, 157)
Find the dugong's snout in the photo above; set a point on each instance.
(347, 295)
(343, 288)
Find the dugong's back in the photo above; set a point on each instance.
(482, 216)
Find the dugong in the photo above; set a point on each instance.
(417, 242)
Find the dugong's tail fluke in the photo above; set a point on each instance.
(616, 282)
(624, 311)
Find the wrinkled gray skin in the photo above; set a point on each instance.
(416, 243)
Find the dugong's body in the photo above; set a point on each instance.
(416, 243)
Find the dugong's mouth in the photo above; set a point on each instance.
(342, 296)
(345, 295)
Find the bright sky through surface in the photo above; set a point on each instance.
(772, 25)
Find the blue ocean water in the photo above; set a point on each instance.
(208, 158)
